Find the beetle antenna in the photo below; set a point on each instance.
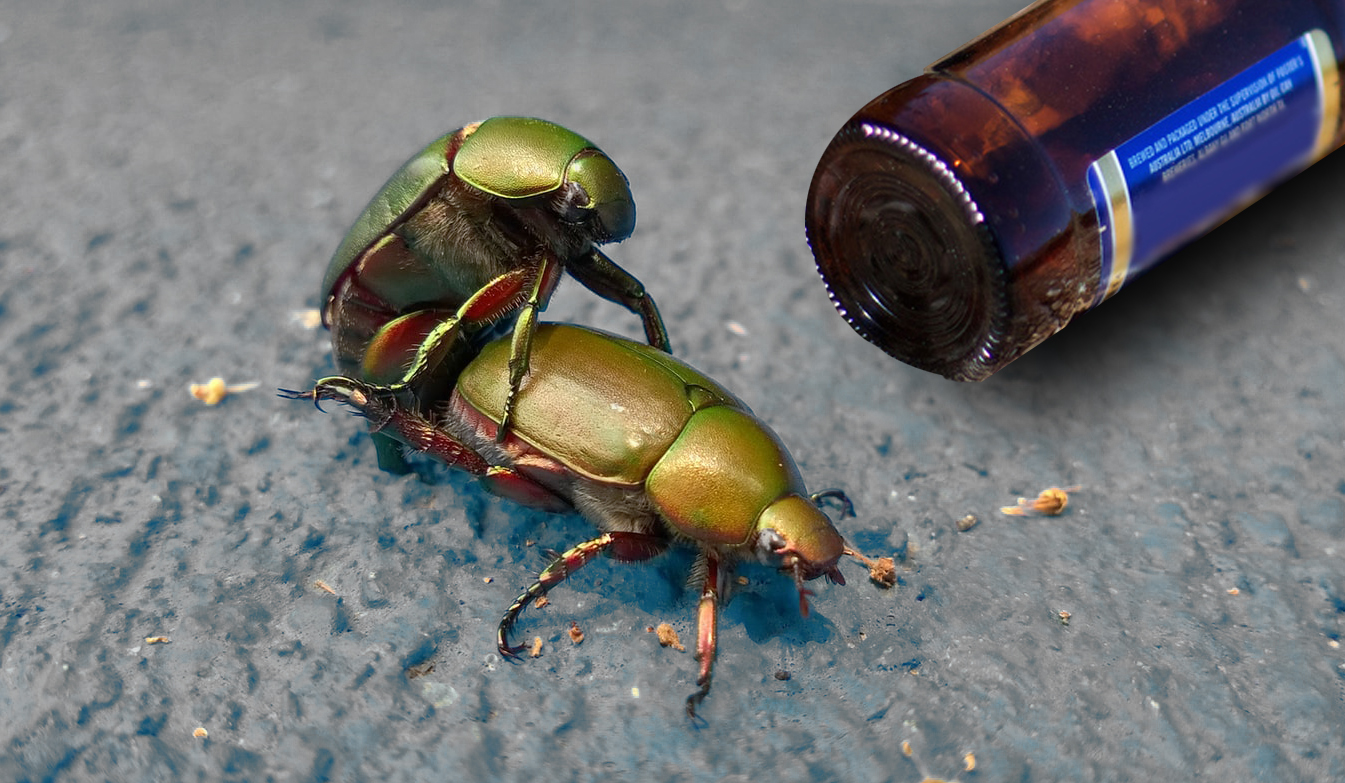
(868, 561)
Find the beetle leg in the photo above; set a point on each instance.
(390, 419)
(520, 350)
(389, 351)
(627, 547)
(391, 458)
(393, 425)
(527, 288)
(489, 303)
(604, 277)
(707, 632)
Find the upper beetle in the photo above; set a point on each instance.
(478, 225)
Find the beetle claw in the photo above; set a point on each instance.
(311, 394)
(693, 701)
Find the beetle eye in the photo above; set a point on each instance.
(572, 203)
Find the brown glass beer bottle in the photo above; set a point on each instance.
(966, 215)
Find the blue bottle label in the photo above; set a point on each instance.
(1213, 156)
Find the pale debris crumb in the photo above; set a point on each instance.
(882, 570)
(1051, 502)
(213, 391)
(310, 318)
(667, 636)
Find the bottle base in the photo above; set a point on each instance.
(905, 253)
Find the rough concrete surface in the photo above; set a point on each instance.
(174, 179)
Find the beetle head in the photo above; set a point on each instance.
(596, 190)
(529, 161)
(795, 535)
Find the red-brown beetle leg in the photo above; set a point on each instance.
(389, 418)
(397, 343)
(493, 301)
(707, 632)
(627, 547)
(512, 485)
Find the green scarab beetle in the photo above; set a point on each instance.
(477, 226)
(649, 449)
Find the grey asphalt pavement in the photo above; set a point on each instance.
(175, 176)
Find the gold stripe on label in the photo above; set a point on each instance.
(1122, 221)
(1328, 82)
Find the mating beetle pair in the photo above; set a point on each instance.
(559, 417)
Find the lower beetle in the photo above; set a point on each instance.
(649, 449)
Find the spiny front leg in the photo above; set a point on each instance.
(707, 632)
(627, 547)
(390, 418)
(393, 424)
